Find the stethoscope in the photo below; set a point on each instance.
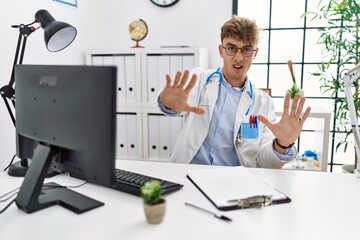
(208, 80)
(217, 72)
(238, 139)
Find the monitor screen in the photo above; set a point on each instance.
(66, 120)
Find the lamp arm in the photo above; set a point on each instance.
(24, 32)
(350, 79)
(7, 92)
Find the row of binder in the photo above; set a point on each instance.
(127, 143)
(127, 84)
(131, 78)
(161, 136)
(160, 65)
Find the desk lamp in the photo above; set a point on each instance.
(57, 35)
(350, 78)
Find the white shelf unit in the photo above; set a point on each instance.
(317, 128)
(143, 132)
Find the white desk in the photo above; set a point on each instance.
(324, 206)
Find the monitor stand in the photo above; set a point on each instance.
(34, 196)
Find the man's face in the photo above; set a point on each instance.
(236, 67)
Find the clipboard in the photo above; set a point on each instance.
(228, 188)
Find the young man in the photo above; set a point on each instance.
(228, 120)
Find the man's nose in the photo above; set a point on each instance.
(239, 55)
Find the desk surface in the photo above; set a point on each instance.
(324, 206)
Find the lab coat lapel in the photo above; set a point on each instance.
(212, 90)
(244, 104)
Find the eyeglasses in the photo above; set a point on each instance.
(245, 51)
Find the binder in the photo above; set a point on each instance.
(97, 60)
(228, 187)
(132, 136)
(175, 64)
(176, 126)
(130, 78)
(163, 69)
(121, 136)
(154, 139)
(164, 137)
(121, 85)
(153, 80)
(108, 61)
(188, 62)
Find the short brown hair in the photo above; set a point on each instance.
(241, 29)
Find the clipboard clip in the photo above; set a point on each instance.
(257, 201)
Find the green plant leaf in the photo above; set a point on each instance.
(151, 192)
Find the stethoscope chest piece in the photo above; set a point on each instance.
(238, 140)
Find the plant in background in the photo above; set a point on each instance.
(294, 88)
(151, 192)
(341, 43)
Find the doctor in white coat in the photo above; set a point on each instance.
(227, 119)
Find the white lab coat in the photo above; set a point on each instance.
(251, 152)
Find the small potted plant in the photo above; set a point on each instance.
(154, 204)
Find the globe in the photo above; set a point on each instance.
(138, 30)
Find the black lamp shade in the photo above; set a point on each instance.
(58, 35)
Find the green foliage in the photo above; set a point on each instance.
(294, 90)
(341, 46)
(151, 192)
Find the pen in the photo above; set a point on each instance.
(222, 217)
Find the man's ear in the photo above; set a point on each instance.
(221, 51)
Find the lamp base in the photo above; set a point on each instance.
(17, 169)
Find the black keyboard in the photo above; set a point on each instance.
(131, 182)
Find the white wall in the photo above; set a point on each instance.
(103, 25)
(189, 22)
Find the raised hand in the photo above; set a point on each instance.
(175, 94)
(288, 129)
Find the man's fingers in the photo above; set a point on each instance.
(294, 105)
(300, 107)
(305, 115)
(265, 121)
(286, 104)
(177, 79)
(168, 80)
(191, 84)
(184, 79)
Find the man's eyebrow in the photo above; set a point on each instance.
(233, 45)
(230, 45)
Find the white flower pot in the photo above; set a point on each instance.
(155, 213)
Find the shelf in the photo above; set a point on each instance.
(143, 132)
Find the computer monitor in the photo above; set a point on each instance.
(65, 119)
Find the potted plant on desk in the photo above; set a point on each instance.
(154, 204)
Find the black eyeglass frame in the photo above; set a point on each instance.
(241, 50)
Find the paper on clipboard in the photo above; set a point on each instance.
(220, 185)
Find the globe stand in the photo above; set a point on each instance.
(137, 45)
